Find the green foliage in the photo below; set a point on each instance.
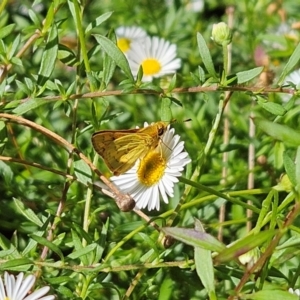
(63, 77)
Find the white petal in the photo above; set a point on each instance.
(9, 284)
(2, 291)
(38, 293)
(27, 284)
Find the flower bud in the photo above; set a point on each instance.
(284, 184)
(221, 34)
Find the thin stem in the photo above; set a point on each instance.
(251, 165)
(227, 54)
(198, 89)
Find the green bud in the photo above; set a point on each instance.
(221, 34)
(249, 258)
(284, 184)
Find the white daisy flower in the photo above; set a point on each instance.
(15, 288)
(156, 56)
(127, 35)
(152, 178)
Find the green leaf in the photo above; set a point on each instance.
(194, 238)
(290, 167)
(278, 131)
(6, 253)
(78, 246)
(28, 105)
(82, 234)
(49, 57)
(84, 251)
(273, 108)
(115, 53)
(50, 245)
(61, 279)
(204, 265)
(149, 86)
(244, 245)
(172, 84)
(279, 149)
(98, 21)
(27, 212)
(248, 75)
(176, 101)
(14, 47)
(32, 243)
(82, 172)
(7, 30)
(205, 56)
(166, 287)
(13, 263)
(271, 294)
(201, 74)
(34, 17)
(5, 244)
(49, 19)
(109, 66)
(6, 172)
(165, 109)
(290, 65)
(66, 55)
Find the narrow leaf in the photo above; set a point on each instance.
(172, 84)
(244, 245)
(27, 212)
(28, 105)
(14, 47)
(290, 65)
(115, 53)
(194, 238)
(51, 246)
(278, 131)
(290, 167)
(5, 244)
(98, 21)
(109, 65)
(165, 109)
(248, 75)
(205, 56)
(11, 264)
(274, 108)
(204, 265)
(83, 251)
(7, 30)
(49, 18)
(49, 56)
(82, 172)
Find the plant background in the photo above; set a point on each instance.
(96, 251)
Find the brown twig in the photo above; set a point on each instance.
(181, 90)
(122, 200)
(262, 260)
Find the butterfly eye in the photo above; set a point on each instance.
(161, 131)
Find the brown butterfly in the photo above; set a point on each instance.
(120, 149)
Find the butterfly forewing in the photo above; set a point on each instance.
(121, 148)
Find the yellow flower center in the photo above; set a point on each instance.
(123, 44)
(151, 168)
(151, 66)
